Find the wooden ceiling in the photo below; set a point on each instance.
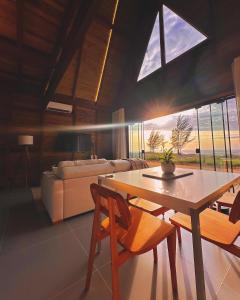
(56, 47)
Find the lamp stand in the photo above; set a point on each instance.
(27, 165)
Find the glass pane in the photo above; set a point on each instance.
(234, 134)
(135, 140)
(158, 135)
(152, 58)
(180, 36)
(205, 133)
(218, 137)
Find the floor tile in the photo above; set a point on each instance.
(98, 290)
(231, 283)
(216, 263)
(85, 220)
(139, 277)
(28, 226)
(40, 272)
(84, 235)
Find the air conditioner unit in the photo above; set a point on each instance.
(59, 107)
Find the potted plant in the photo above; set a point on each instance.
(167, 164)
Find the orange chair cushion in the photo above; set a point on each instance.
(144, 233)
(227, 199)
(148, 206)
(214, 225)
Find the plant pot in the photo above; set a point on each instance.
(168, 168)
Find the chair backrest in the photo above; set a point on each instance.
(235, 210)
(102, 195)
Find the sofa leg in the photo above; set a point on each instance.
(57, 222)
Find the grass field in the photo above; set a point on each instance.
(192, 161)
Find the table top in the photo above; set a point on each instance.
(182, 194)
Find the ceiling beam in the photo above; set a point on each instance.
(19, 32)
(73, 42)
(74, 87)
(69, 16)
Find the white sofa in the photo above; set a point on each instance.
(66, 189)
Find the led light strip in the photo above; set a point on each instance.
(106, 52)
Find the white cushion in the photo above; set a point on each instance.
(120, 165)
(90, 161)
(55, 171)
(85, 171)
(66, 163)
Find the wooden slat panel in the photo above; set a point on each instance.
(113, 70)
(8, 19)
(91, 62)
(106, 9)
(66, 84)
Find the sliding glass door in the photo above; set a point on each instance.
(206, 148)
(205, 138)
(136, 143)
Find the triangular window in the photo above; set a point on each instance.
(179, 35)
(152, 58)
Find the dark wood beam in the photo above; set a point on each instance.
(70, 14)
(73, 42)
(74, 87)
(19, 31)
(162, 37)
(26, 48)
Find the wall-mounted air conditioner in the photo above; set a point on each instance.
(59, 107)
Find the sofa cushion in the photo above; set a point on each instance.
(85, 171)
(66, 163)
(120, 165)
(81, 162)
(55, 171)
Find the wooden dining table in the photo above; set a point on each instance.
(189, 195)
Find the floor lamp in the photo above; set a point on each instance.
(26, 141)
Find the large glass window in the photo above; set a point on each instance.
(234, 138)
(136, 146)
(177, 131)
(206, 138)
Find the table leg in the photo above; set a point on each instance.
(198, 258)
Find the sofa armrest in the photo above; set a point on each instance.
(52, 196)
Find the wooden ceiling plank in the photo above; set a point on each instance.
(19, 31)
(73, 42)
(74, 88)
(68, 18)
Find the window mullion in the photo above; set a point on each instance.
(162, 38)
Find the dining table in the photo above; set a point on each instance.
(189, 194)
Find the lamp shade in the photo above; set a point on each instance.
(25, 140)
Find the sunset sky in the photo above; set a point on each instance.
(167, 123)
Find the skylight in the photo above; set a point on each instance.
(180, 36)
(152, 58)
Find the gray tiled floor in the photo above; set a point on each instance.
(43, 261)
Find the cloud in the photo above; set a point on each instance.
(180, 36)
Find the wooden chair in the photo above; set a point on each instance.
(215, 227)
(226, 200)
(135, 230)
(147, 206)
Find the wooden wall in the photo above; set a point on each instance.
(21, 114)
(198, 76)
